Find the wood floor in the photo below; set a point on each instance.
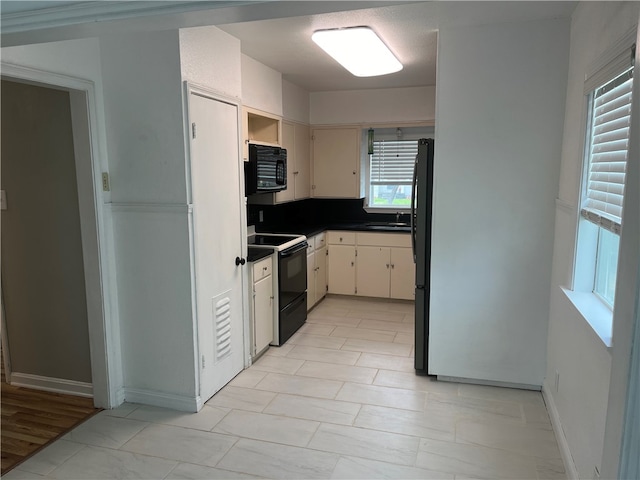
(32, 418)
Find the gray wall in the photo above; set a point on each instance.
(42, 270)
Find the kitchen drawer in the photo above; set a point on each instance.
(384, 239)
(319, 240)
(262, 269)
(342, 238)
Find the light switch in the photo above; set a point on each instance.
(3, 200)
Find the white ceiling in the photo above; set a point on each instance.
(278, 33)
(285, 45)
(410, 30)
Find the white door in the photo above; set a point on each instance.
(263, 318)
(342, 269)
(302, 144)
(336, 160)
(372, 277)
(288, 142)
(311, 278)
(321, 274)
(403, 274)
(218, 240)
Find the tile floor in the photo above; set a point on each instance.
(339, 400)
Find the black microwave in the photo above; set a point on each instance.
(266, 170)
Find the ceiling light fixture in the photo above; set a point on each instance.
(359, 50)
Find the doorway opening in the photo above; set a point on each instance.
(55, 209)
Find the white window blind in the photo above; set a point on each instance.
(392, 162)
(608, 150)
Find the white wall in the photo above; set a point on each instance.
(141, 77)
(621, 460)
(143, 96)
(500, 98)
(154, 285)
(261, 86)
(575, 352)
(210, 58)
(388, 105)
(295, 103)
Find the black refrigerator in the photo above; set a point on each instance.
(421, 212)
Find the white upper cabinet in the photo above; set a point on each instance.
(336, 162)
(295, 138)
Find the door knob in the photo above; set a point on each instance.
(240, 261)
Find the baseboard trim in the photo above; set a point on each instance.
(119, 397)
(490, 383)
(565, 452)
(51, 384)
(163, 400)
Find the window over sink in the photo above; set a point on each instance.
(388, 171)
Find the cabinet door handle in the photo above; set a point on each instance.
(393, 266)
(354, 172)
(265, 268)
(387, 265)
(352, 263)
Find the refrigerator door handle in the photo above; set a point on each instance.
(413, 208)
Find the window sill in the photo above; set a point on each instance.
(596, 314)
(387, 210)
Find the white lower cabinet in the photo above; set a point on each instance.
(371, 264)
(316, 270)
(372, 271)
(321, 274)
(341, 262)
(403, 274)
(262, 305)
(342, 269)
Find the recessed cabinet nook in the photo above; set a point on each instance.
(259, 127)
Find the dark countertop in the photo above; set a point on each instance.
(311, 230)
(254, 254)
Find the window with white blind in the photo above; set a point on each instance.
(611, 119)
(389, 169)
(604, 183)
(391, 172)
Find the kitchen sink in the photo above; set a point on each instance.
(388, 226)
